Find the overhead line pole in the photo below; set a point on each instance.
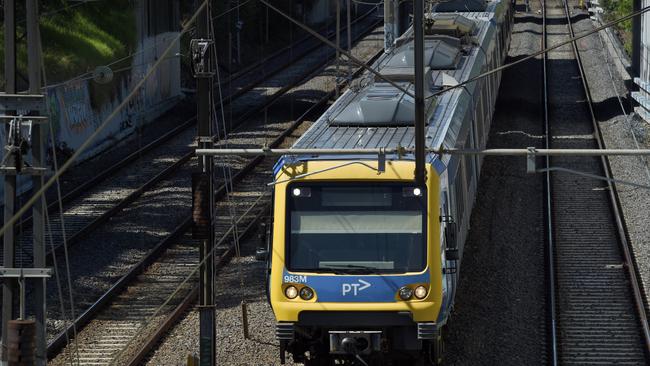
(204, 193)
(349, 26)
(418, 29)
(9, 240)
(38, 160)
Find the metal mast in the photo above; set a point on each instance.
(389, 25)
(202, 185)
(23, 339)
(418, 27)
(9, 287)
(38, 160)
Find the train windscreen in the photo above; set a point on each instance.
(356, 228)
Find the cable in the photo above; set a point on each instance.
(548, 49)
(227, 171)
(101, 127)
(58, 283)
(44, 15)
(329, 43)
(186, 279)
(620, 102)
(155, 45)
(61, 218)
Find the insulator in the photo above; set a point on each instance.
(201, 206)
(21, 342)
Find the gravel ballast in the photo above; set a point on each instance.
(499, 311)
(619, 131)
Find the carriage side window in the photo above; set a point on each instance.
(487, 105)
(468, 163)
(459, 191)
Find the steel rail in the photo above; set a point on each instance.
(110, 171)
(180, 309)
(155, 253)
(60, 341)
(283, 50)
(133, 196)
(631, 266)
(291, 61)
(175, 315)
(620, 230)
(551, 306)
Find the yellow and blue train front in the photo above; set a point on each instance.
(356, 266)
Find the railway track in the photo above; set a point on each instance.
(137, 183)
(596, 313)
(95, 201)
(131, 291)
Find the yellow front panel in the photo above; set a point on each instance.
(423, 310)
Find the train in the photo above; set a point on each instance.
(362, 262)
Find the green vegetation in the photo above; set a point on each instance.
(77, 38)
(615, 9)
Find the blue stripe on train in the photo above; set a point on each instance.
(356, 288)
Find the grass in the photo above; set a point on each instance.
(79, 39)
(615, 9)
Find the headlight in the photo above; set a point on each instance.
(291, 292)
(405, 293)
(306, 293)
(420, 292)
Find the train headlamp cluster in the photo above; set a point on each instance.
(305, 293)
(301, 192)
(412, 192)
(420, 292)
(291, 292)
(407, 293)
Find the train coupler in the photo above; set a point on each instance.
(354, 342)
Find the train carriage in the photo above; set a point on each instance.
(363, 263)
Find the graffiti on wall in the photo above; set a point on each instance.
(74, 112)
(74, 118)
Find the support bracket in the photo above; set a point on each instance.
(22, 102)
(531, 155)
(25, 272)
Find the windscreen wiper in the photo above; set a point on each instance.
(351, 268)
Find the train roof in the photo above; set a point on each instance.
(374, 114)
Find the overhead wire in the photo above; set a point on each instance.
(628, 116)
(226, 169)
(84, 76)
(58, 284)
(182, 284)
(61, 218)
(101, 126)
(186, 29)
(541, 52)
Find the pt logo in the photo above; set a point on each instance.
(355, 288)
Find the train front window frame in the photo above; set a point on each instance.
(385, 220)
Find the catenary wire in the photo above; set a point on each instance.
(628, 116)
(30, 202)
(61, 215)
(129, 56)
(186, 279)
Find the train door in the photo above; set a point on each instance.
(449, 248)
